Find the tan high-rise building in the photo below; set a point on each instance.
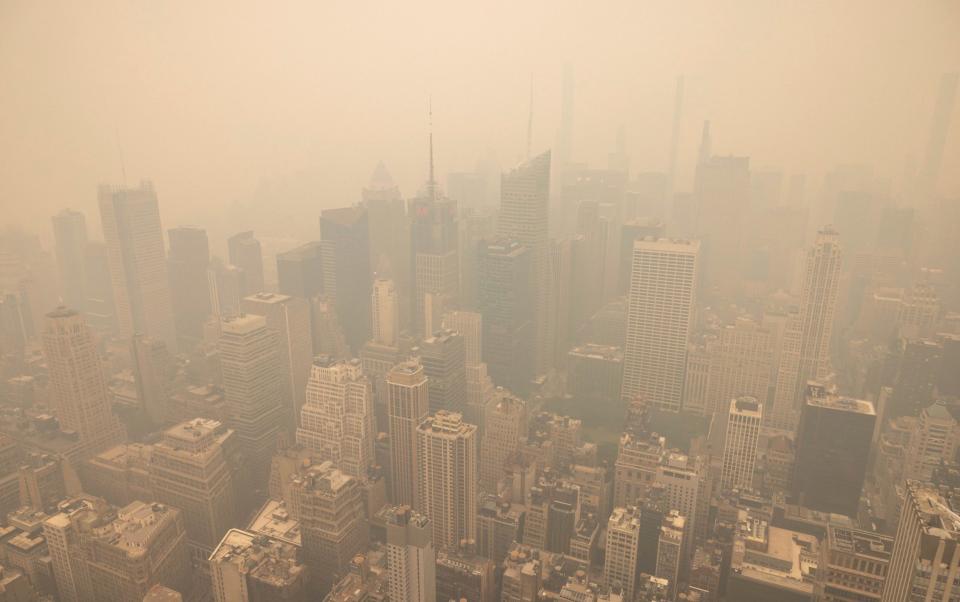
(290, 318)
(621, 563)
(333, 529)
(137, 260)
(806, 339)
(638, 458)
(740, 443)
(504, 425)
(524, 217)
(670, 549)
(78, 386)
(250, 567)
(661, 305)
(386, 312)
(410, 556)
(447, 477)
(190, 469)
(408, 404)
(337, 422)
(251, 384)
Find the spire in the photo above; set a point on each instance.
(530, 120)
(432, 183)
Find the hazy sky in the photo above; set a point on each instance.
(295, 102)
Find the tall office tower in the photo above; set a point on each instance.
(447, 477)
(153, 372)
(682, 480)
(70, 236)
(806, 340)
(226, 284)
(434, 250)
(444, 362)
(337, 421)
(504, 425)
(744, 363)
(410, 556)
(856, 564)
(243, 251)
(290, 318)
(389, 236)
(507, 305)
(251, 386)
(78, 387)
(99, 553)
(386, 313)
(663, 285)
(722, 193)
(462, 574)
(408, 405)
(138, 266)
(670, 550)
(925, 558)
(187, 262)
(498, 526)
(250, 567)
(300, 271)
(833, 446)
(740, 443)
(621, 562)
(553, 510)
(631, 232)
(345, 234)
(328, 336)
(479, 386)
(101, 311)
(934, 442)
(329, 505)
(638, 457)
(917, 376)
(190, 468)
(524, 217)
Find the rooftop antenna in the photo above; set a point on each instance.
(432, 184)
(530, 119)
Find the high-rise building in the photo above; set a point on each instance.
(479, 386)
(248, 567)
(191, 468)
(187, 263)
(290, 318)
(78, 386)
(934, 442)
(504, 426)
(101, 311)
(244, 251)
(435, 255)
(638, 457)
(410, 556)
(524, 217)
(670, 549)
(138, 266)
(498, 526)
(337, 421)
(408, 404)
(925, 557)
(153, 376)
(507, 303)
(682, 479)
(251, 385)
(740, 443)
(553, 510)
(663, 285)
(226, 284)
(300, 271)
(386, 313)
(444, 362)
(345, 233)
(833, 446)
(390, 239)
(623, 542)
(595, 372)
(856, 564)
(722, 193)
(447, 477)
(329, 505)
(70, 236)
(465, 576)
(631, 232)
(806, 339)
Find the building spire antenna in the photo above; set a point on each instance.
(530, 120)
(432, 184)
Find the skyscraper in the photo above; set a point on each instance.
(386, 313)
(833, 445)
(227, 284)
(251, 384)
(70, 236)
(663, 284)
(138, 267)
(524, 217)
(447, 477)
(410, 556)
(504, 425)
(152, 373)
(740, 443)
(188, 262)
(244, 252)
(806, 340)
(337, 421)
(78, 386)
(300, 271)
(290, 318)
(621, 560)
(345, 233)
(722, 193)
(444, 362)
(435, 249)
(408, 404)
